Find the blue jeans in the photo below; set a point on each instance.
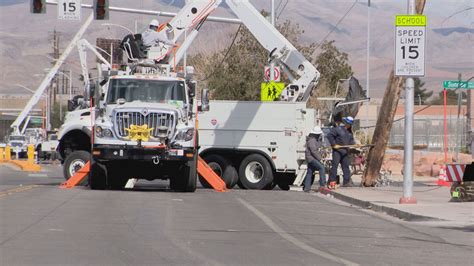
(313, 166)
(345, 161)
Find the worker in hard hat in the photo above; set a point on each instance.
(152, 36)
(341, 135)
(313, 158)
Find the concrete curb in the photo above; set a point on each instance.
(406, 216)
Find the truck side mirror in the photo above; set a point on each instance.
(204, 101)
(192, 89)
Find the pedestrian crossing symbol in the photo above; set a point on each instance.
(271, 90)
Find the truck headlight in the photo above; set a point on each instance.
(103, 132)
(185, 135)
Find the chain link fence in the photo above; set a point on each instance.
(428, 133)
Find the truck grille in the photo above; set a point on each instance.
(154, 120)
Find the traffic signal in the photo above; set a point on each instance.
(38, 6)
(101, 9)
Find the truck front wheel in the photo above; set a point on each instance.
(75, 161)
(97, 177)
(255, 172)
(116, 176)
(186, 179)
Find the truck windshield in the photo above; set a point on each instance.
(17, 138)
(145, 90)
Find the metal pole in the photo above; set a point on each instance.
(458, 146)
(48, 109)
(70, 85)
(445, 138)
(408, 151)
(368, 67)
(272, 65)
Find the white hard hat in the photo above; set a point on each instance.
(155, 22)
(348, 120)
(316, 130)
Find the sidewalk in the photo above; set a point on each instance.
(433, 202)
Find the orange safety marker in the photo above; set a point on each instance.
(77, 177)
(211, 177)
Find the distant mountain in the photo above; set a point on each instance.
(25, 39)
(449, 31)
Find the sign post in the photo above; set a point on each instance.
(69, 9)
(410, 41)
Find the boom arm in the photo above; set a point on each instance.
(280, 49)
(44, 84)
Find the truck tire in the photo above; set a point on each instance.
(187, 177)
(97, 177)
(75, 161)
(115, 177)
(284, 181)
(255, 172)
(223, 168)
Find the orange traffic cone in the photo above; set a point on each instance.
(442, 177)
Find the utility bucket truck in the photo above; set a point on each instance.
(142, 123)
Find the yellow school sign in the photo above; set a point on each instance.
(410, 20)
(271, 90)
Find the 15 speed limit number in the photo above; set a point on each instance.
(69, 9)
(410, 40)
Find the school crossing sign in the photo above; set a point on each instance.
(270, 91)
(410, 39)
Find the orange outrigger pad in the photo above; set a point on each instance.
(211, 177)
(77, 177)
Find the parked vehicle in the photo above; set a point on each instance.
(18, 144)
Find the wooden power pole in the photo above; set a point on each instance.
(384, 122)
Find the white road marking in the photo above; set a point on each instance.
(37, 175)
(291, 238)
(56, 230)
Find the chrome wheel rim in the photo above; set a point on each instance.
(254, 172)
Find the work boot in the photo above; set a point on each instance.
(348, 184)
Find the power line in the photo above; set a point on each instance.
(283, 8)
(225, 56)
(337, 24)
(456, 13)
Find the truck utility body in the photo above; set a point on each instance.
(277, 131)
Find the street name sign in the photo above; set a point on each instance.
(410, 39)
(69, 9)
(455, 84)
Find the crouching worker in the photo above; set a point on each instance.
(314, 159)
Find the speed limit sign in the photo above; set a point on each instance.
(69, 9)
(410, 38)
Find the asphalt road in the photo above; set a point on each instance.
(150, 225)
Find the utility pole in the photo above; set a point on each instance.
(368, 68)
